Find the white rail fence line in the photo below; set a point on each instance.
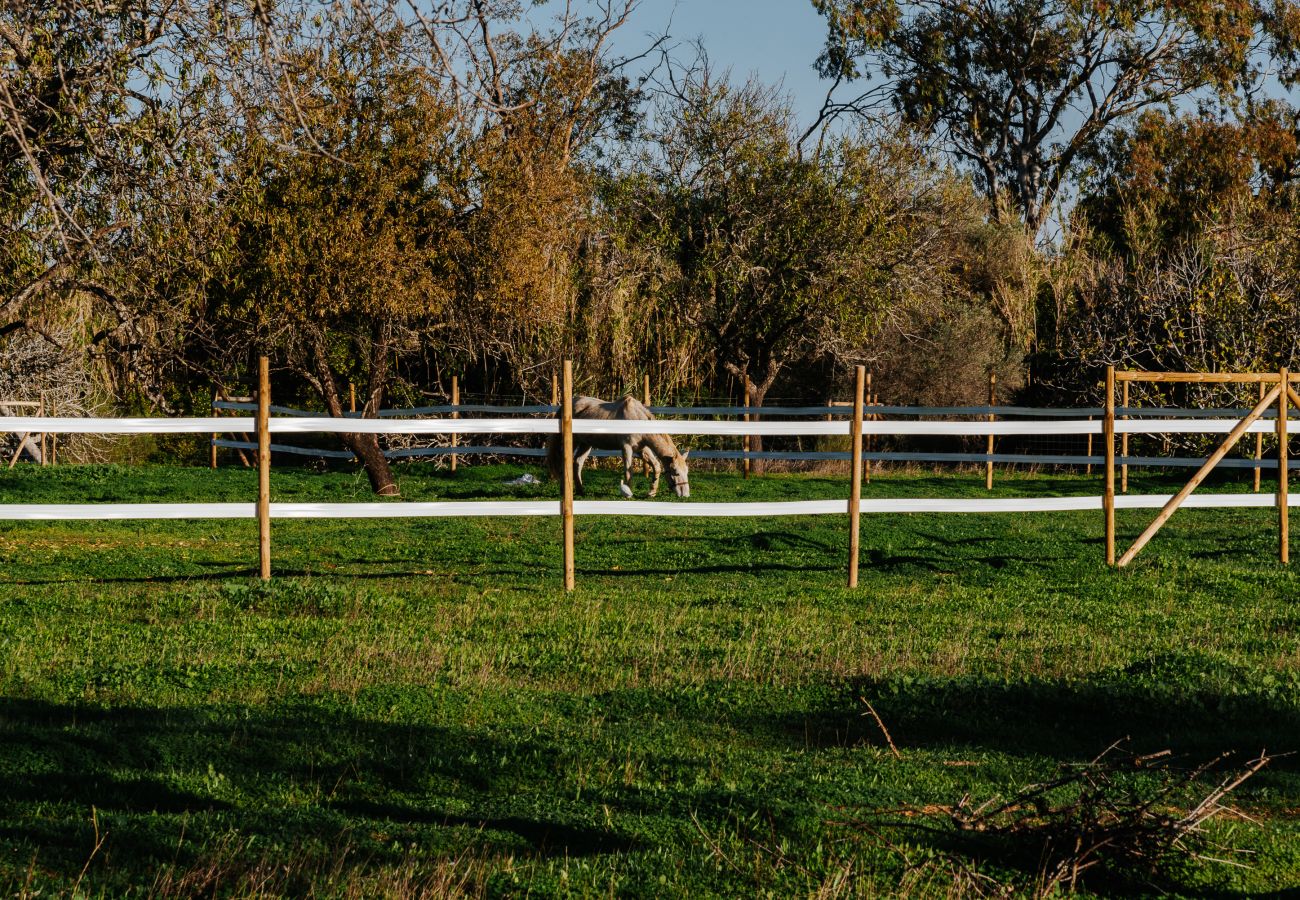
(302, 425)
(315, 424)
(323, 424)
(835, 412)
(473, 508)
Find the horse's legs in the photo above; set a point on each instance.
(627, 466)
(652, 464)
(579, 460)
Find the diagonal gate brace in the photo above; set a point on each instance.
(1177, 500)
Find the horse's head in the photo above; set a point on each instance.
(677, 472)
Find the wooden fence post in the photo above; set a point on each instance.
(855, 489)
(264, 467)
(1123, 450)
(868, 441)
(54, 438)
(352, 397)
(566, 450)
(745, 445)
(1108, 499)
(455, 401)
(646, 468)
(993, 401)
(1259, 444)
(1087, 469)
(555, 392)
(40, 411)
(212, 450)
(1283, 472)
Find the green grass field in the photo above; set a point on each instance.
(415, 706)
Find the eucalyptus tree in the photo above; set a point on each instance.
(1022, 90)
(336, 254)
(104, 123)
(780, 257)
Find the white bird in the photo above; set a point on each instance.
(624, 489)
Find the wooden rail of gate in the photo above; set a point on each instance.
(1281, 393)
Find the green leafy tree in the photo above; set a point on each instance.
(339, 254)
(779, 257)
(1184, 249)
(1022, 90)
(104, 145)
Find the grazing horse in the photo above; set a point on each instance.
(658, 450)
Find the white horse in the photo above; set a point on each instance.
(658, 450)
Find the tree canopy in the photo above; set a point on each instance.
(1022, 90)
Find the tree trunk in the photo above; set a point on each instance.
(365, 446)
(755, 394)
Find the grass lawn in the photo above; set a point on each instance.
(416, 706)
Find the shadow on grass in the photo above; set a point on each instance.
(1191, 704)
(168, 784)
(1199, 711)
(165, 785)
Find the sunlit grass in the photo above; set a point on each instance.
(416, 704)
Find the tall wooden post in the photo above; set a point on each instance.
(1087, 469)
(1123, 449)
(264, 466)
(869, 440)
(566, 449)
(993, 401)
(1108, 499)
(1259, 444)
(212, 449)
(54, 438)
(1283, 473)
(352, 397)
(455, 401)
(645, 464)
(745, 444)
(855, 489)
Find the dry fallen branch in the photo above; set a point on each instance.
(1118, 817)
(1108, 813)
(871, 710)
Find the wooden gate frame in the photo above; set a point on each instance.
(1282, 393)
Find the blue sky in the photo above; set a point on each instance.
(777, 40)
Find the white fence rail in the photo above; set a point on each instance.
(322, 424)
(769, 413)
(494, 508)
(297, 423)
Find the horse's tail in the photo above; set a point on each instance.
(554, 457)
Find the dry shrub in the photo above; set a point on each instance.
(943, 357)
(37, 366)
(1118, 820)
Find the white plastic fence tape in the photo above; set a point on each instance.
(59, 425)
(443, 508)
(53, 425)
